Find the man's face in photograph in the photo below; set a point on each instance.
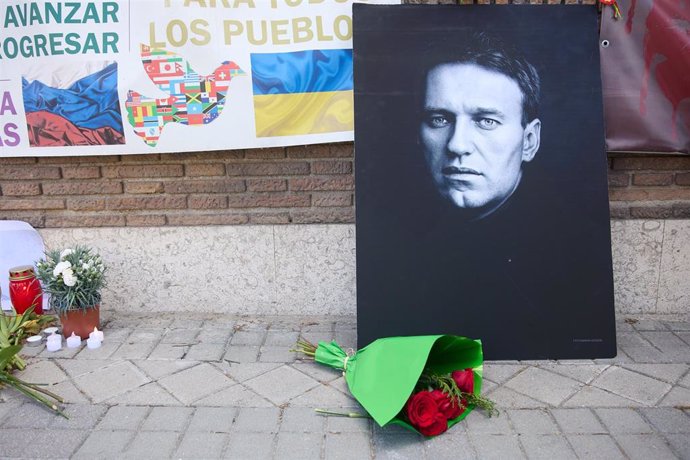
(473, 136)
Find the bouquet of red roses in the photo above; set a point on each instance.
(424, 383)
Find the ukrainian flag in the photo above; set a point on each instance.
(305, 92)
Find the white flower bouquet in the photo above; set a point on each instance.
(73, 278)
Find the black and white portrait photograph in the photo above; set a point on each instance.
(481, 193)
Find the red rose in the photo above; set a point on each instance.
(439, 426)
(464, 380)
(447, 406)
(422, 410)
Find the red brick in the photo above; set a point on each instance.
(141, 158)
(262, 218)
(681, 211)
(205, 186)
(619, 179)
(148, 220)
(266, 185)
(651, 212)
(322, 183)
(660, 194)
(501, 2)
(207, 219)
(81, 172)
(341, 150)
(265, 154)
(143, 187)
(17, 161)
(205, 169)
(653, 179)
(36, 220)
(330, 199)
(204, 156)
(146, 202)
(87, 159)
(619, 211)
(21, 189)
(657, 163)
(267, 169)
(268, 200)
(331, 167)
(323, 216)
(683, 178)
(143, 171)
(29, 172)
(86, 204)
(85, 221)
(207, 202)
(554, 2)
(81, 188)
(33, 204)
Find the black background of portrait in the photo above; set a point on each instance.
(533, 281)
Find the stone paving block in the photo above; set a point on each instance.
(645, 446)
(649, 325)
(75, 368)
(214, 335)
(220, 322)
(402, 445)
(286, 339)
(318, 336)
(206, 352)
(69, 392)
(322, 325)
(185, 386)
(646, 354)
(134, 350)
(495, 446)
(81, 416)
(303, 420)
(499, 373)
(253, 338)
(299, 446)
(151, 394)
(322, 396)
(271, 354)
(317, 371)
(623, 420)
(547, 447)
(123, 418)
(478, 423)
(543, 385)
(684, 336)
(293, 383)
(584, 373)
(143, 335)
(595, 447)
(186, 323)
(29, 415)
(42, 372)
(157, 369)
(62, 353)
(532, 421)
(451, 445)
(346, 339)
(111, 381)
(257, 420)
(669, 373)
(116, 334)
(632, 385)
(237, 396)
(30, 352)
(168, 351)
(667, 420)
(578, 421)
(593, 397)
(347, 446)
(677, 397)
(104, 444)
(244, 371)
(8, 407)
(202, 445)
(180, 336)
(242, 354)
(167, 419)
(670, 345)
(153, 444)
(22, 443)
(257, 446)
(680, 444)
(506, 398)
(213, 419)
(685, 381)
(105, 351)
(347, 424)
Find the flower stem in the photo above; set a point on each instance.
(342, 414)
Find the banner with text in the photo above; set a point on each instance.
(152, 76)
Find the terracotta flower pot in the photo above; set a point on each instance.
(81, 322)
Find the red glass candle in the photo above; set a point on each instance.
(25, 290)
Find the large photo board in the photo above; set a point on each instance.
(151, 76)
(481, 205)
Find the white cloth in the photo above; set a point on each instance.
(20, 244)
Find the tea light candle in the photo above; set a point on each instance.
(92, 343)
(96, 334)
(73, 341)
(49, 330)
(34, 341)
(54, 342)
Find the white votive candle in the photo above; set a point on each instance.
(92, 343)
(54, 342)
(96, 334)
(34, 341)
(49, 330)
(73, 341)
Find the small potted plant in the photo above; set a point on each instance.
(74, 279)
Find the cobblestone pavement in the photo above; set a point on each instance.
(174, 386)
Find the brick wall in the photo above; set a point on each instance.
(308, 184)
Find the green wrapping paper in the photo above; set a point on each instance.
(383, 375)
